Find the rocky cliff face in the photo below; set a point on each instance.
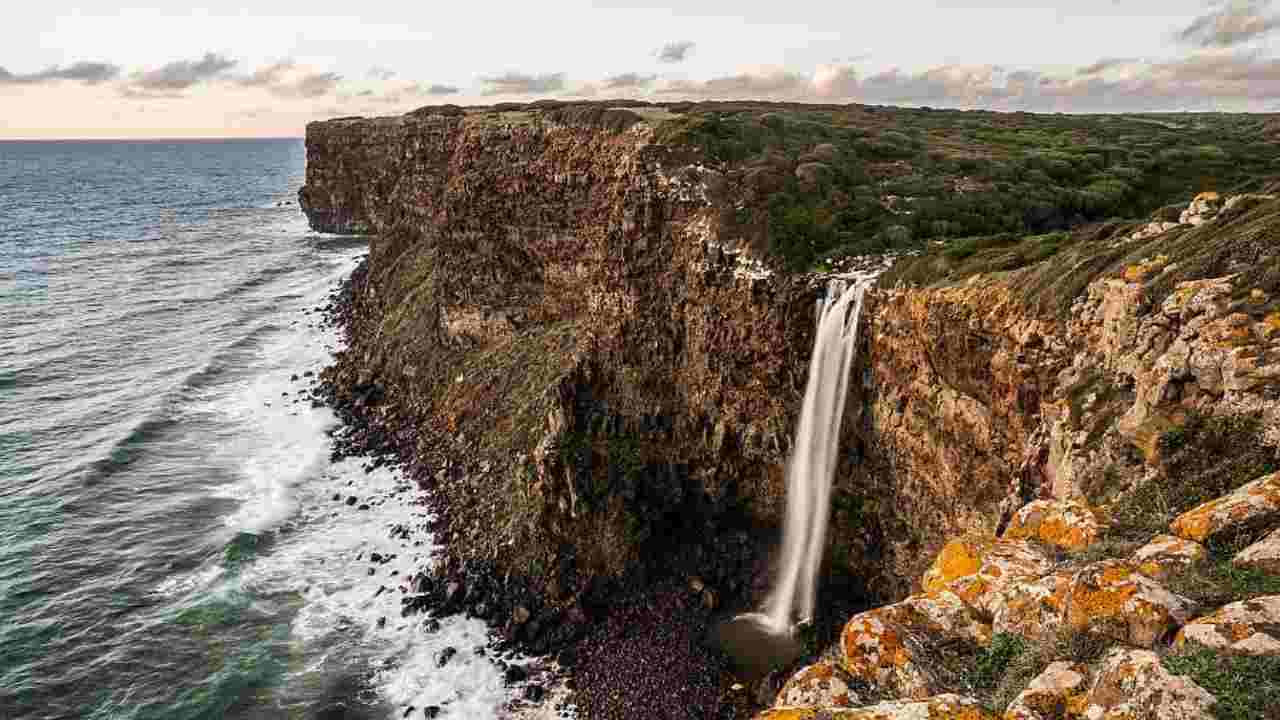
(576, 334)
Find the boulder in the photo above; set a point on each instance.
(1058, 692)
(1113, 599)
(1131, 684)
(1065, 524)
(1167, 555)
(1033, 608)
(822, 684)
(1202, 209)
(812, 173)
(938, 707)
(1263, 555)
(1253, 505)
(1249, 627)
(902, 650)
(979, 568)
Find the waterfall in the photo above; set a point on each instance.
(762, 638)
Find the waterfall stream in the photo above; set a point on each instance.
(763, 637)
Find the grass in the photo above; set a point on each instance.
(1247, 688)
(1204, 458)
(1003, 670)
(1215, 581)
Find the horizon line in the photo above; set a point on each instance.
(176, 138)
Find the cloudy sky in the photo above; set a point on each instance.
(87, 69)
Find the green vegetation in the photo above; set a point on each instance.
(1247, 688)
(1216, 581)
(993, 661)
(960, 174)
(1204, 458)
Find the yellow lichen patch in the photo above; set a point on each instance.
(1252, 503)
(959, 558)
(818, 685)
(1112, 599)
(1167, 555)
(1270, 326)
(788, 714)
(1062, 523)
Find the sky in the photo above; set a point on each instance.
(86, 69)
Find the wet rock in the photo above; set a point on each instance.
(1132, 684)
(1058, 692)
(520, 615)
(534, 692)
(1167, 555)
(514, 674)
(1263, 555)
(1064, 524)
(445, 656)
(431, 711)
(978, 568)
(352, 500)
(823, 684)
(1255, 504)
(1113, 599)
(1250, 627)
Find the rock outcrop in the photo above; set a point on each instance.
(584, 340)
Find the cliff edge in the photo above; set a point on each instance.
(587, 328)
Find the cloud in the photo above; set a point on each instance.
(380, 73)
(762, 84)
(514, 83)
(267, 76)
(285, 79)
(435, 89)
(630, 80)
(89, 73)
(182, 74)
(674, 52)
(1231, 23)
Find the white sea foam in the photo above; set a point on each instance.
(320, 560)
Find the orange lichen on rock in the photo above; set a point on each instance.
(1167, 555)
(1250, 627)
(1059, 691)
(819, 685)
(1033, 609)
(938, 707)
(1066, 524)
(978, 569)
(1255, 503)
(881, 646)
(1132, 685)
(1113, 599)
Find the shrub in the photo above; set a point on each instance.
(1247, 688)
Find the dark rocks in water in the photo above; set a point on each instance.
(431, 711)
(337, 497)
(534, 692)
(446, 655)
(755, 649)
(293, 377)
(408, 711)
(432, 626)
(308, 374)
(352, 500)
(382, 622)
(515, 674)
(363, 506)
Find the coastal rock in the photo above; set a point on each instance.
(1166, 556)
(1131, 684)
(979, 568)
(902, 650)
(1263, 555)
(1249, 627)
(1113, 599)
(1202, 209)
(1058, 692)
(939, 707)
(1255, 504)
(1065, 524)
(1033, 608)
(822, 684)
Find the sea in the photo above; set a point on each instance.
(175, 541)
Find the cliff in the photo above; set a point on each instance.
(583, 327)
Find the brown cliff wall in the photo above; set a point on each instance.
(602, 377)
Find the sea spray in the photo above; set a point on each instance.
(766, 638)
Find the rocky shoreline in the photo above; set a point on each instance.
(640, 646)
